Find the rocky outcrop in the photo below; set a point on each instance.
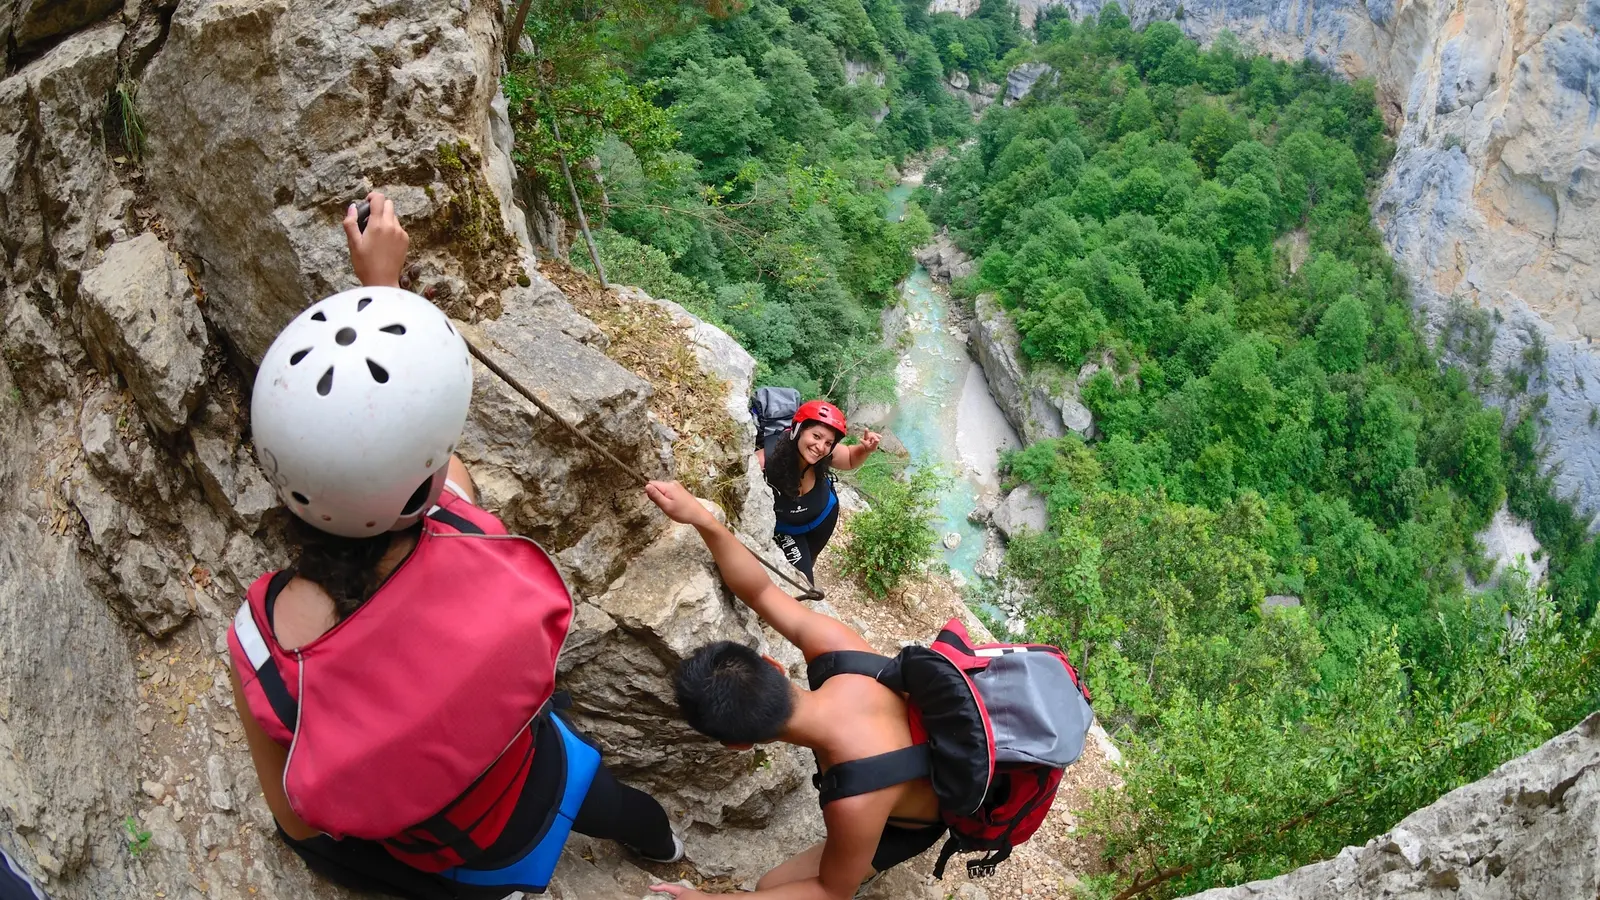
(1020, 80)
(1039, 403)
(144, 321)
(978, 98)
(1529, 829)
(137, 293)
(943, 259)
(1021, 511)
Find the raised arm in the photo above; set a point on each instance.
(811, 631)
(853, 456)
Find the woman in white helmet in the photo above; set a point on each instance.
(397, 684)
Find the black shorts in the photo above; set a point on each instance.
(896, 845)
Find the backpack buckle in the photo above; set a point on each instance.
(980, 868)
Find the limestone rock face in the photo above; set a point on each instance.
(296, 110)
(67, 741)
(145, 322)
(1020, 81)
(1529, 829)
(1039, 403)
(37, 20)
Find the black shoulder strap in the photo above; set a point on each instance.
(863, 776)
(845, 662)
(454, 520)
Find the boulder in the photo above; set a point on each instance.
(145, 323)
(1022, 509)
(1528, 829)
(1039, 401)
(1279, 601)
(982, 509)
(40, 20)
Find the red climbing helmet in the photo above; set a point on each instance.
(819, 411)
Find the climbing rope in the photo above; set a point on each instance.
(807, 592)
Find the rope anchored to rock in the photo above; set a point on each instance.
(807, 592)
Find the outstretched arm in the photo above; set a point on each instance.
(853, 456)
(811, 631)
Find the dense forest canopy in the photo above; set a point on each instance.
(742, 151)
(1270, 422)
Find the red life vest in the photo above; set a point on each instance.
(408, 721)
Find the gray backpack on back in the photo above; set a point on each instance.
(774, 409)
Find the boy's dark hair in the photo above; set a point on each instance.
(727, 692)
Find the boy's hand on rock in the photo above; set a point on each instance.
(379, 253)
(676, 501)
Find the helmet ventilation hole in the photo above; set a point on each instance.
(318, 316)
(372, 524)
(298, 355)
(299, 497)
(325, 383)
(396, 328)
(345, 336)
(327, 518)
(360, 305)
(428, 464)
(379, 373)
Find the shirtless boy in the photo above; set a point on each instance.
(732, 694)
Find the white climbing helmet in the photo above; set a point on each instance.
(357, 407)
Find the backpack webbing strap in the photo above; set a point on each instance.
(976, 868)
(848, 662)
(863, 776)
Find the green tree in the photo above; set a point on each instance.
(1342, 335)
(720, 111)
(1210, 131)
(793, 108)
(1062, 328)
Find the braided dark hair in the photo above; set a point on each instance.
(347, 568)
(785, 469)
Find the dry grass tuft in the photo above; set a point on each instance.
(689, 400)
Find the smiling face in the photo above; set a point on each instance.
(816, 442)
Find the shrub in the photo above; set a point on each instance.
(896, 537)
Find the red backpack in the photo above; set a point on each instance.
(994, 726)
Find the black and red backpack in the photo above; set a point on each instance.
(994, 727)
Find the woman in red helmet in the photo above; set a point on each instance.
(796, 463)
